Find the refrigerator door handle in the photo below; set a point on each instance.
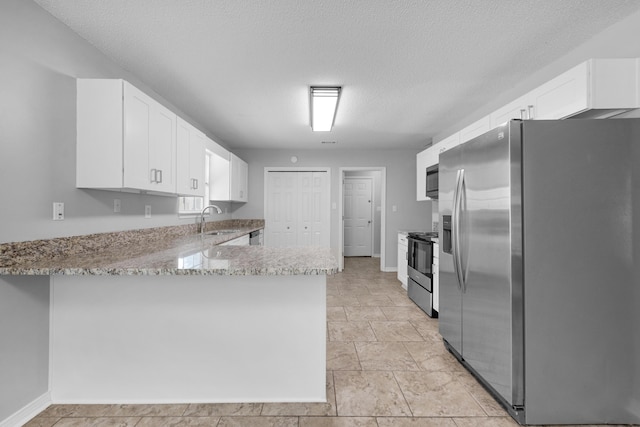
(455, 228)
(464, 271)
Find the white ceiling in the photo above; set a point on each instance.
(409, 68)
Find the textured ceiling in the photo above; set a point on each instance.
(409, 68)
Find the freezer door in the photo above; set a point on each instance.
(490, 236)
(450, 322)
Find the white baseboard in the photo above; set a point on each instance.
(32, 409)
(390, 269)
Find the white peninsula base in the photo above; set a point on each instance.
(177, 339)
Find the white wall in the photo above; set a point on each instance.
(24, 341)
(401, 186)
(41, 59)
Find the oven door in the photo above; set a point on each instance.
(420, 256)
(419, 270)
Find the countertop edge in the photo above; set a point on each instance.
(147, 258)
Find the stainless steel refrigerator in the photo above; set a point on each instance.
(538, 267)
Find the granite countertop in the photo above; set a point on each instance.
(178, 250)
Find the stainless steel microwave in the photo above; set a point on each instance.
(432, 182)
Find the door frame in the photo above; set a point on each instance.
(383, 216)
(268, 169)
(373, 223)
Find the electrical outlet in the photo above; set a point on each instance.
(147, 211)
(58, 211)
(116, 205)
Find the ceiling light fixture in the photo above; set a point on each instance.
(324, 104)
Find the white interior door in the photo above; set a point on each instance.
(297, 209)
(357, 205)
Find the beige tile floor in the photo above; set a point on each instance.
(386, 367)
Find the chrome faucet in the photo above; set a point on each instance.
(218, 210)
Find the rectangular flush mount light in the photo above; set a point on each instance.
(324, 103)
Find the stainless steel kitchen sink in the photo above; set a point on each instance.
(219, 232)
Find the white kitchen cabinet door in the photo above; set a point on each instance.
(220, 175)
(402, 259)
(190, 160)
(239, 179)
(125, 139)
(149, 143)
(228, 178)
(447, 143)
(476, 128)
(522, 108)
(594, 88)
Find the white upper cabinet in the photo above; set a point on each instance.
(228, 177)
(522, 108)
(594, 88)
(239, 179)
(219, 175)
(597, 88)
(477, 128)
(190, 160)
(125, 139)
(447, 143)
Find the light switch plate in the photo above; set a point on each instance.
(58, 211)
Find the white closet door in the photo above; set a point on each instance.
(305, 209)
(321, 215)
(357, 217)
(297, 209)
(280, 230)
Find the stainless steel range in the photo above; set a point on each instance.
(420, 271)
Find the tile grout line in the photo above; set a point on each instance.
(402, 392)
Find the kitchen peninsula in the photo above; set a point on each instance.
(167, 315)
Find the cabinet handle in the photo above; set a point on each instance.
(154, 176)
(159, 181)
(530, 108)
